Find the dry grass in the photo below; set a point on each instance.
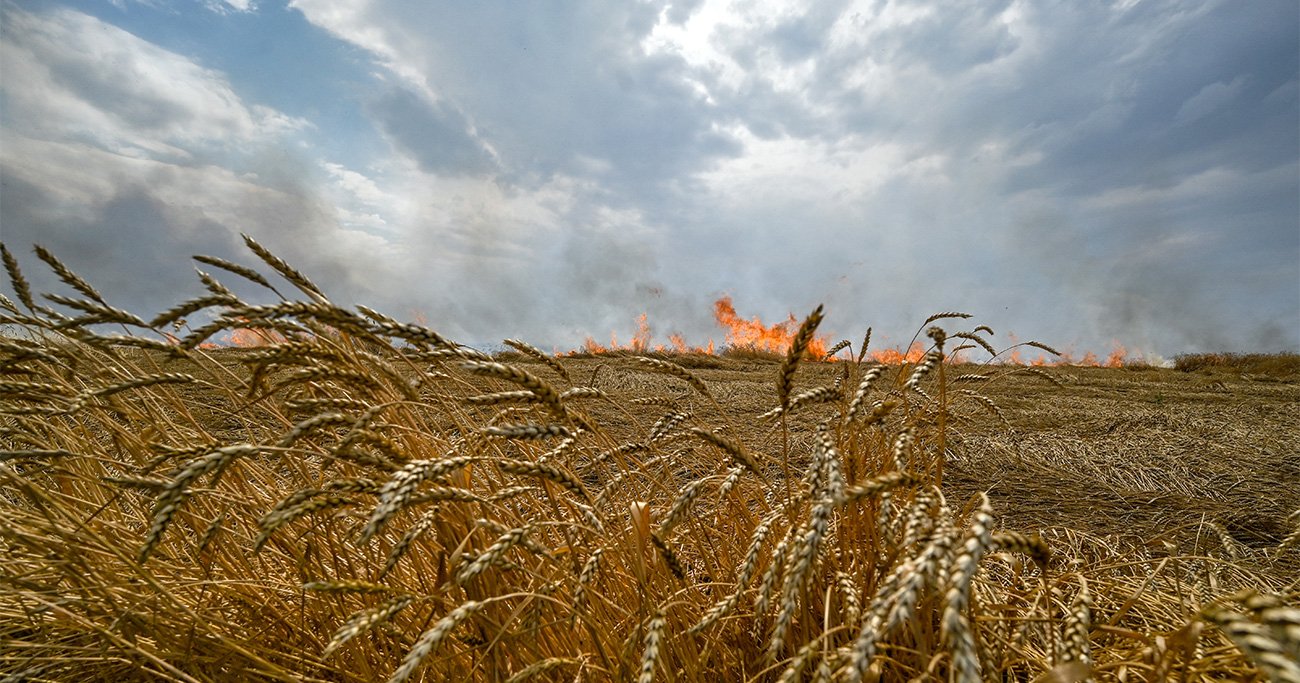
(362, 499)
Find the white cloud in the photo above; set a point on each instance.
(73, 77)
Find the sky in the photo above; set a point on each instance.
(1081, 173)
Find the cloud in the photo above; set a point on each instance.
(435, 134)
(75, 77)
(1211, 98)
(550, 91)
(1072, 172)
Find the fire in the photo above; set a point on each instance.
(914, 354)
(739, 333)
(245, 338)
(1115, 359)
(753, 334)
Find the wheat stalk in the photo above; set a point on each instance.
(431, 638)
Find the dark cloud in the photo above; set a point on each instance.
(130, 249)
(436, 135)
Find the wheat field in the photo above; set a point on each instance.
(356, 498)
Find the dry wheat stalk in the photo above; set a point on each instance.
(805, 554)
(780, 556)
(664, 401)
(1256, 641)
(903, 449)
(431, 638)
(560, 450)
(416, 530)
(919, 517)
(729, 482)
(1075, 641)
(794, 670)
(494, 552)
(528, 432)
(553, 473)
(210, 533)
(978, 340)
(497, 398)
(664, 425)
(20, 285)
(850, 597)
(66, 275)
(95, 313)
(798, 345)
(1276, 612)
(1025, 544)
(855, 406)
(685, 498)
(397, 491)
(345, 586)
(611, 487)
(1226, 540)
(956, 629)
(927, 364)
(585, 577)
(270, 523)
(730, 447)
(544, 392)
(538, 668)
(926, 569)
(242, 271)
(828, 461)
(839, 346)
(945, 314)
(1292, 539)
(866, 341)
(653, 634)
(804, 398)
(877, 485)
(670, 368)
(178, 489)
(1043, 347)
(743, 574)
(1039, 372)
(365, 620)
(582, 392)
(311, 424)
(151, 484)
(530, 350)
(286, 271)
(673, 563)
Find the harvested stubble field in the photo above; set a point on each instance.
(361, 499)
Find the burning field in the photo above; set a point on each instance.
(331, 494)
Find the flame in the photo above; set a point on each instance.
(895, 357)
(244, 338)
(739, 333)
(1117, 358)
(753, 334)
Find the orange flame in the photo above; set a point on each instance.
(1115, 359)
(753, 334)
(895, 357)
(246, 338)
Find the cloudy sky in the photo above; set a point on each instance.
(1076, 172)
